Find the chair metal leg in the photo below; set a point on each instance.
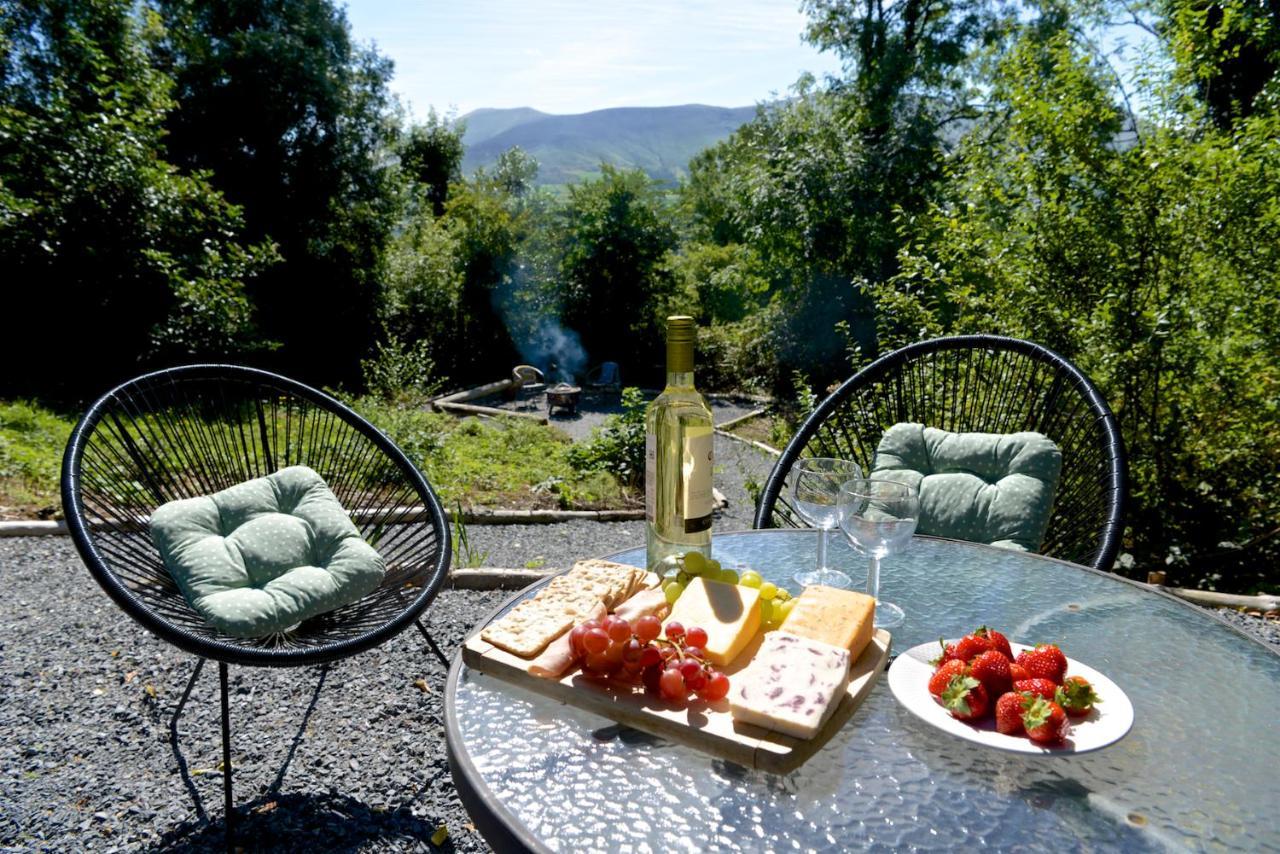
(226, 751)
(191, 683)
(444, 660)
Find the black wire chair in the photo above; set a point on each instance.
(195, 430)
(978, 383)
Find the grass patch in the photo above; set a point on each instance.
(502, 462)
(511, 463)
(31, 443)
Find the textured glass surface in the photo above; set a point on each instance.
(1198, 772)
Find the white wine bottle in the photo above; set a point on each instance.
(679, 443)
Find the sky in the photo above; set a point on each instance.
(573, 56)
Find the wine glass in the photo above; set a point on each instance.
(815, 488)
(878, 517)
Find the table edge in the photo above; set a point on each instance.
(510, 833)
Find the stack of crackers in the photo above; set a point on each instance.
(567, 600)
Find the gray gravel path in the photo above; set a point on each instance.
(349, 757)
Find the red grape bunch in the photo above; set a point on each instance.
(671, 667)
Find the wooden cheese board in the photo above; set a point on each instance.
(709, 727)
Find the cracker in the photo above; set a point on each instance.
(527, 628)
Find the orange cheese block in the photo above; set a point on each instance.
(730, 614)
(843, 618)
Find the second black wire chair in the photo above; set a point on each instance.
(987, 384)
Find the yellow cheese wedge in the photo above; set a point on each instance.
(843, 618)
(730, 614)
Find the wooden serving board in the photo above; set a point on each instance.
(709, 727)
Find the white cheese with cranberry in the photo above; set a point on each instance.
(791, 686)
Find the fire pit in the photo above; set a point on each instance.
(564, 396)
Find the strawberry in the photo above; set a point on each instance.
(1040, 687)
(965, 698)
(1045, 721)
(1009, 710)
(946, 654)
(1017, 672)
(999, 642)
(1077, 696)
(970, 647)
(991, 668)
(943, 675)
(1046, 661)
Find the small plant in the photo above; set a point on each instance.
(616, 447)
(465, 554)
(400, 372)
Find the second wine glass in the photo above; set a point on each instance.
(815, 488)
(878, 518)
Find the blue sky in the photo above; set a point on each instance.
(571, 56)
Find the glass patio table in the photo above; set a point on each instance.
(1197, 771)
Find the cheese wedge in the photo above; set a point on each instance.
(729, 613)
(843, 618)
(791, 686)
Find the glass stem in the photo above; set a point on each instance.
(823, 533)
(873, 578)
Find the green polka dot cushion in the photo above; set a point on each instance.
(990, 488)
(264, 555)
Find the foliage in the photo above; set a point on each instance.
(135, 259)
(1153, 266)
(465, 554)
(400, 372)
(615, 239)
(292, 121)
(32, 440)
(431, 157)
(616, 447)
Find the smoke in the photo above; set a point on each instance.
(536, 331)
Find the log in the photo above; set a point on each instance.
(491, 411)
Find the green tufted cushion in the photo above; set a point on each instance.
(990, 488)
(264, 555)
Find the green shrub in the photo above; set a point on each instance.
(31, 443)
(617, 447)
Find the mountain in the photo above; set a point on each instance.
(659, 140)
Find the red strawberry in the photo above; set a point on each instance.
(998, 641)
(965, 698)
(1040, 687)
(970, 647)
(1077, 696)
(946, 655)
(1017, 672)
(1046, 661)
(942, 677)
(1045, 720)
(991, 668)
(1009, 710)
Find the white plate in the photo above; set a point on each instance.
(1109, 721)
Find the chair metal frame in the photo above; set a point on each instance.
(197, 429)
(979, 383)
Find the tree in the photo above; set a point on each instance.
(1152, 265)
(431, 157)
(293, 121)
(121, 258)
(615, 239)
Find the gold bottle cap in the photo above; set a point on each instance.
(681, 334)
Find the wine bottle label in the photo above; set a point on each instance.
(699, 446)
(650, 477)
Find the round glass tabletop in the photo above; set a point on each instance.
(1198, 770)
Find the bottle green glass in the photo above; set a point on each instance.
(679, 452)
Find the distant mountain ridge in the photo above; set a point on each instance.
(659, 140)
